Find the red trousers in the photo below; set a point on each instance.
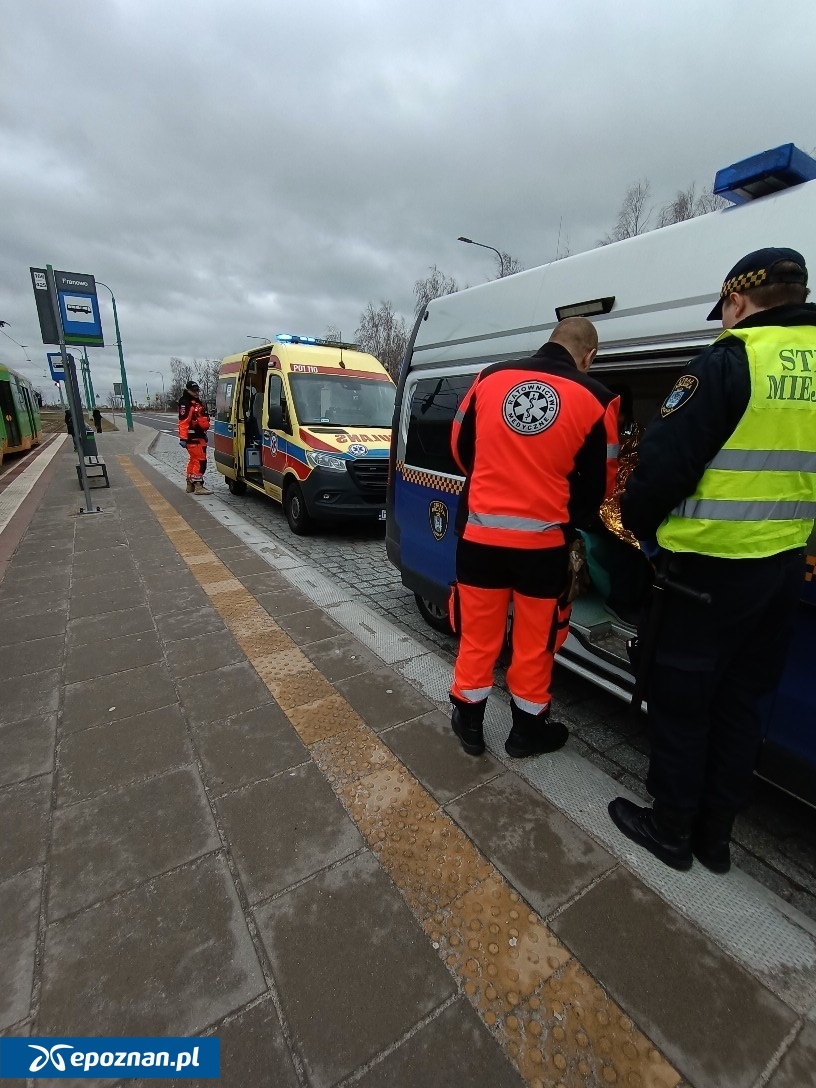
(197, 463)
(479, 615)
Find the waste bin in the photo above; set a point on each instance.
(89, 443)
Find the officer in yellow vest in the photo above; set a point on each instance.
(726, 485)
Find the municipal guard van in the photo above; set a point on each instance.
(307, 422)
(649, 297)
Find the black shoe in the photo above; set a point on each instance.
(533, 734)
(711, 839)
(467, 722)
(669, 839)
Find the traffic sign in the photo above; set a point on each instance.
(55, 365)
(78, 308)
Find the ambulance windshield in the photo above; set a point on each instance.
(340, 401)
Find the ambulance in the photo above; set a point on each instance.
(649, 297)
(307, 422)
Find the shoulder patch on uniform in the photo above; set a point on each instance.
(531, 407)
(684, 389)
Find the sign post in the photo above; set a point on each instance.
(51, 303)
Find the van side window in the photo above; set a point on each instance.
(433, 405)
(223, 399)
(276, 395)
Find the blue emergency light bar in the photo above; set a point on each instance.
(779, 168)
(293, 338)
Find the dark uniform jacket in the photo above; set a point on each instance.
(677, 447)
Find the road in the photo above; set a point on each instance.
(775, 841)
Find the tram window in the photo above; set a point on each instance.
(433, 405)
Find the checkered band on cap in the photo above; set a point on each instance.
(744, 282)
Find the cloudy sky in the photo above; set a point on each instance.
(256, 167)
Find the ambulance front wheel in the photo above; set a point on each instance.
(435, 615)
(296, 513)
(237, 487)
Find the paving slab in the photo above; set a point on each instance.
(176, 600)
(168, 958)
(282, 602)
(110, 599)
(690, 998)
(541, 852)
(24, 809)
(119, 695)
(188, 623)
(113, 842)
(111, 625)
(309, 626)
(285, 829)
(29, 696)
(115, 655)
(222, 693)
(382, 698)
(119, 559)
(20, 912)
(28, 658)
(248, 747)
(339, 657)
(347, 941)
(202, 653)
(428, 748)
(108, 756)
(37, 624)
(798, 1068)
(452, 1050)
(247, 563)
(27, 748)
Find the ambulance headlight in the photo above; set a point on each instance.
(318, 459)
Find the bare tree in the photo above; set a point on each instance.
(509, 265)
(382, 333)
(434, 285)
(688, 204)
(634, 214)
(333, 333)
(207, 371)
(182, 373)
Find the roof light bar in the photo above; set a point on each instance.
(586, 309)
(314, 341)
(768, 172)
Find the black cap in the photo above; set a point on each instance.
(757, 269)
(191, 387)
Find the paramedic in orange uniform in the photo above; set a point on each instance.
(194, 422)
(537, 441)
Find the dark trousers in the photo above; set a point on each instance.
(713, 663)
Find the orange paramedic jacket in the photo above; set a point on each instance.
(194, 421)
(537, 441)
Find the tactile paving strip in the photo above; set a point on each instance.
(556, 1023)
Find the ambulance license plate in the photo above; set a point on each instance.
(382, 515)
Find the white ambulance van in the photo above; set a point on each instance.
(307, 422)
(649, 297)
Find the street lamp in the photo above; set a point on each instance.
(470, 242)
(164, 403)
(266, 339)
(123, 372)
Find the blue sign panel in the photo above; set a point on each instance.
(80, 317)
(55, 366)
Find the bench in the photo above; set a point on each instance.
(95, 470)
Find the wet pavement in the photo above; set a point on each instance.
(231, 804)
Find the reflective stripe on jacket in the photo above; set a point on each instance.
(757, 496)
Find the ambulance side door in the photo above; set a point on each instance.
(274, 439)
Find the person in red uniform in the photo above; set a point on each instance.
(194, 422)
(537, 441)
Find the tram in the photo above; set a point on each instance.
(20, 424)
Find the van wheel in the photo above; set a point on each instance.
(296, 513)
(237, 487)
(435, 615)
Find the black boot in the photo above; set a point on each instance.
(666, 833)
(711, 839)
(533, 734)
(467, 722)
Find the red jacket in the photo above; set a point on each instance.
(537, 441)
(194, 422)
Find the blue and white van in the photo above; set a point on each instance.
(649, 297)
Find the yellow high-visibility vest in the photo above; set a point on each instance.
(757, 496)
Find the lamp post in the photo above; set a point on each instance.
(470, 242)
(125, 387)
(164, 403)
(266, 339)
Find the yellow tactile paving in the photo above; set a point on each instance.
(557, 1025)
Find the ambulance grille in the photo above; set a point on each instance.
(371, 476)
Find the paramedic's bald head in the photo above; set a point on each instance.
(580, 338)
